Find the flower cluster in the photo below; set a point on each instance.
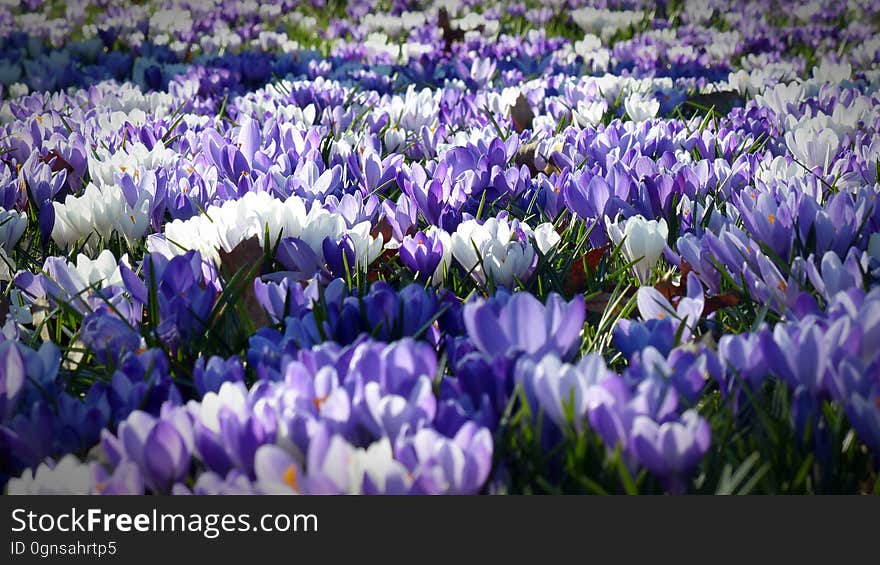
(448, 249)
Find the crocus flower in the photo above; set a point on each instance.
(523, 324)
(157, 447)
(427, 254)
(493, 251)
(671, 449)
(642, 241)
(12, 379)
(864, 413)
(441, 465)
(640, 108)
(689, 310)
(209, 376)
(630, 336)
(68, 476)
(230, 426)
(277, 471)
(125, 479)
(340, 257)
(558, 388)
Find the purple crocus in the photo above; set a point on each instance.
(672, 449)
(560, 389)
(277, 471)
(421, 254)
(209, 376)
(125, 479)
(520, 323)
(391, 414)
(687, 314)
(297, 258)
(157, 447)
(340, 256)
(441, 465)
(230, 426)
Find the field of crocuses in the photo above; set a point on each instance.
(458, 247)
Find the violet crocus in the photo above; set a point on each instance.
(631, 336)
(863, 412)
(671, 449)
(230, 426)
(125, 479)
(441, 465)
(277, 471)
(558, 388)
(297, 258)
(423, 253)
(390, 415)
(340, 257)
(209, 376)
(685, 316)
(523, 324)
(157, 447)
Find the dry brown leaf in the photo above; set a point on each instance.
(522, 115)
(244, 256)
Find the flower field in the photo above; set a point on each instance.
(458, 247)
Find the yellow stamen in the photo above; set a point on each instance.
(290, 478)
(771, 218)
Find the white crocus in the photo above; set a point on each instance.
(69, 476)
(641, 241)
(134, 160)
(546, 237)
(491, 251)
(589, 113)
(99, 212)
(227, 225)
(781, 98)
(12, 226)
(813, 148)
(640, 108)
(103, 271)
(415, 109)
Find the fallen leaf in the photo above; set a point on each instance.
(598, 304)
(526, 156)
(719, 301)
(522, 115)
(576, 278)
(57, 161)
(244, 256)
(383, 264)
(383, 228)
